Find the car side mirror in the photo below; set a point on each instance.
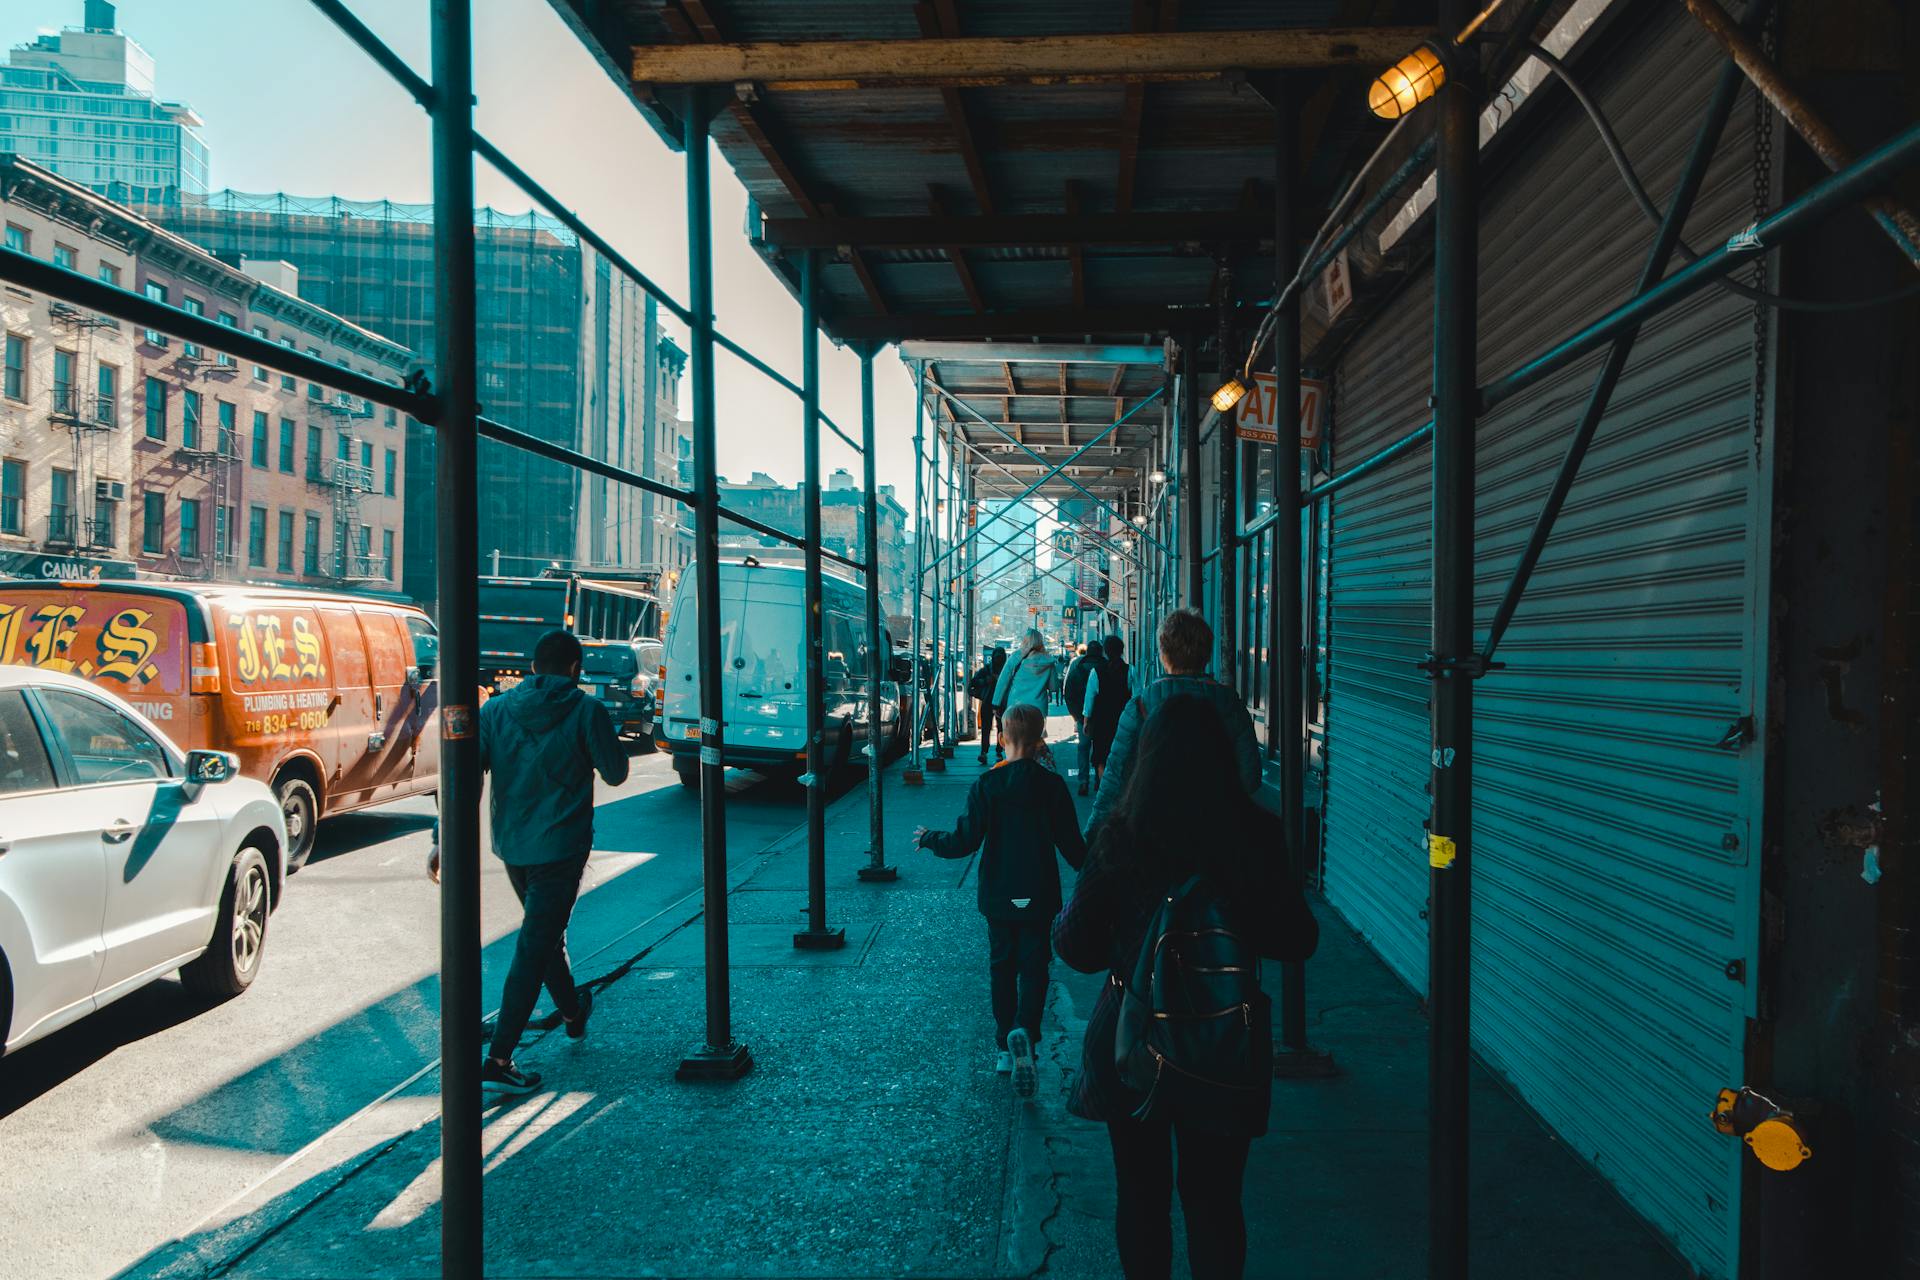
(205, 768)
(901, 670)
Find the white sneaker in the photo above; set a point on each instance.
(1025, 1077)
(1003, 1065)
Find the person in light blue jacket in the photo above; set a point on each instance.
(1186, 645)
(1031, 677)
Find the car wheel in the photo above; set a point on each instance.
(302, 809)
(232, 958)
(688, 767)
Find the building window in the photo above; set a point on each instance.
(16, 386)
(260, 370)
(153, 522)
(366, 458)
(310, 549)
(344, 447)
(13, 496)
(66, 402)
(106, 384)
(158, 292)
(260, 439)
(286, 379)
(228, 443)
(64, 256)
(190, 419)
(190, 528)
(314, 390)
(104, 511)
(257, 537)
(18, 240)
(392, 483)
(393, 417)
(222, 531)
(156, 409)
(313, 452)
(193, 307)
(110, 274)
(232, 321)
(286, 542)
(386, 551)
(286, 446)
(60, 507)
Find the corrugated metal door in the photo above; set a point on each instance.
(1615, 897)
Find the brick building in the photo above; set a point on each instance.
(124, 451)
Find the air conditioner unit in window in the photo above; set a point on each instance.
(110, 490)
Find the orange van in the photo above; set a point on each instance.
(329, 699)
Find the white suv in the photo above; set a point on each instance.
(121, 859)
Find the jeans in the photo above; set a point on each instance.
(1212, 1168)
(986, 728)
(547, 892)
(1018, 953)
(1084, 740)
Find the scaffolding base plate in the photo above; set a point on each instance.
(704, 1062)
(936, 764)
(912, 777)
(879, 874)
(820, 939)
(1303, 1064)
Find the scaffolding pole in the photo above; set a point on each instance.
(878, 658)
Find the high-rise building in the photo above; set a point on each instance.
(570, 351)
(81, 104)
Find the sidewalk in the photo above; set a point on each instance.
(872, 1138)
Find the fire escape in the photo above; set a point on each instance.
(353, 557)
(73, 526)
(220, 464)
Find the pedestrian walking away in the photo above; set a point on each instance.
(1021, 812)
(1107, 693)
(1186, 646)
(543, 741)
(1033, 677)
(980, 688)
(1078, 673)
(1184, 835)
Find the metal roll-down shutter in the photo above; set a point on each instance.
(1615, 804)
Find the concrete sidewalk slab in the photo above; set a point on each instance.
(873, 1139)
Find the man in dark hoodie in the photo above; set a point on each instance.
(1021, 811)
(543, 740)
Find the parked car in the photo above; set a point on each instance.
(763, 695)
(121, 858)
(612, 671)
(328, 699)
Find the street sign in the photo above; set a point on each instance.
(1257, 414)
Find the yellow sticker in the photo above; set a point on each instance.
(1440, 851)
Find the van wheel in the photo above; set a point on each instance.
(688, 767)
(232, 958)
(302, 809)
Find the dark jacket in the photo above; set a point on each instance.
(1221, 697)
(1105, 924)
(1022, 811)
(980, 686)
(1076, 690)
(543, 740)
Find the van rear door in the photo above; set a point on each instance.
(134, 643)
(353, 728)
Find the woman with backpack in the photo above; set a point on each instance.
(1033, 677)
(1184, 889)
(1108, 691)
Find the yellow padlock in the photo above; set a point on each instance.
(1777, 1143)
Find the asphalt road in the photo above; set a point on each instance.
(133, 1126)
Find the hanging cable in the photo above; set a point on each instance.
(1638, 191)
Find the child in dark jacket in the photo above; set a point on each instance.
(1022, 812)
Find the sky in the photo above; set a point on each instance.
(292, 106)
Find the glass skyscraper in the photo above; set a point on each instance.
(81, 104)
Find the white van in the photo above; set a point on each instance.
(762, 639)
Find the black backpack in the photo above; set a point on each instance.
(1077, 682)
(1195, 1032)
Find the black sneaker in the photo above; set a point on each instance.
(577, 1026)
(507, 1078)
